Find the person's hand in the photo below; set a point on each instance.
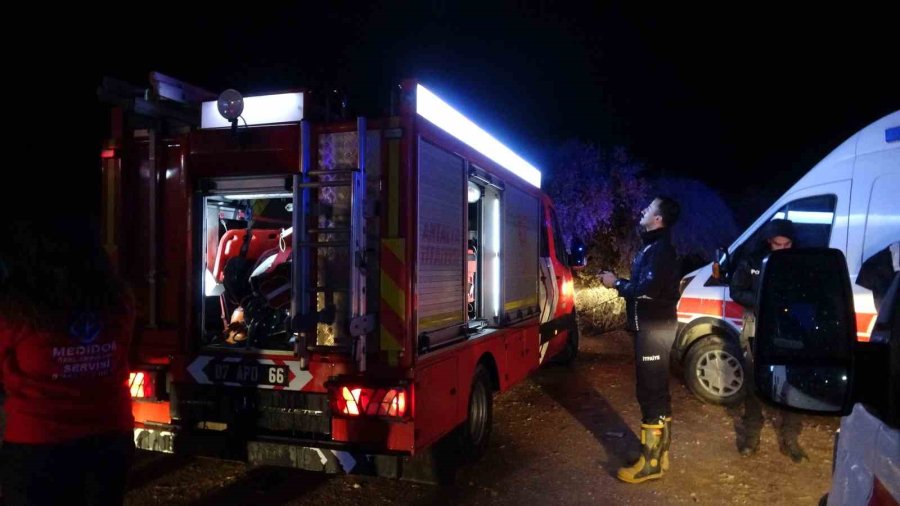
(608, 279)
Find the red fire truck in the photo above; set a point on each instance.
(326, 294)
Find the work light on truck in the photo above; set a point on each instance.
(353, 401)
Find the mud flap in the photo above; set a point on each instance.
(422, 468)
(322, 459)
(437, 465)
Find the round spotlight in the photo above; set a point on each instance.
(230, 104)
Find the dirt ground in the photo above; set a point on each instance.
(558, 439)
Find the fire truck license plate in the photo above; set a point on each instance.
(241, 371)
(249, 374)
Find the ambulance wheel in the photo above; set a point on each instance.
(714, 371)
(475, 432)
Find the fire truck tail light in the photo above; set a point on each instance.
(141, 385)
(351, 400)
(356, 401)
(393, 403)
(398, 405)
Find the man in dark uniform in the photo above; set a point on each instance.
(878, 270)
(777, 234)
(651, 296)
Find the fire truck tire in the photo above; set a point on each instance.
(570, 352)
(475, 432)
(714, 371)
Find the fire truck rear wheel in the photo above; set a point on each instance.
(475, 432)
(714, 371)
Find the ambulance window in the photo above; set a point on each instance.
(813, 218)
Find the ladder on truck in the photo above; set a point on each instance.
(306, 243)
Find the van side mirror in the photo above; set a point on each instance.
(577, 254)
(805, 331)
(720, 266)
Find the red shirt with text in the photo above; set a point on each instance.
(66, 384)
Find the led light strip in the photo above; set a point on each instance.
(435, 110)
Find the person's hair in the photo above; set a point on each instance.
(54, 269)
(779, 227)
(669, 210)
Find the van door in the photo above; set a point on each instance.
(874, 223)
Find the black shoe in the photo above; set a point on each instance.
(792, 449)
(749, 446)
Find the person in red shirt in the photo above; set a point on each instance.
(66, 321)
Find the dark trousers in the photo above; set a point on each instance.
(788, 424)
(752, 417)
(652, 344)
(87, 471)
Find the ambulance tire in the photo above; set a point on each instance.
(714, 371)
(475, 432)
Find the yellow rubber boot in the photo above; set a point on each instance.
(649, 464)
(666, 440)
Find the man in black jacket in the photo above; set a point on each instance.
(878, 270)
(651, 296)
(777, 234)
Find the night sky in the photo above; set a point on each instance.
(746, 98)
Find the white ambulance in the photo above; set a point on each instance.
(849, 201)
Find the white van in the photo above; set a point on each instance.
(849, 201)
